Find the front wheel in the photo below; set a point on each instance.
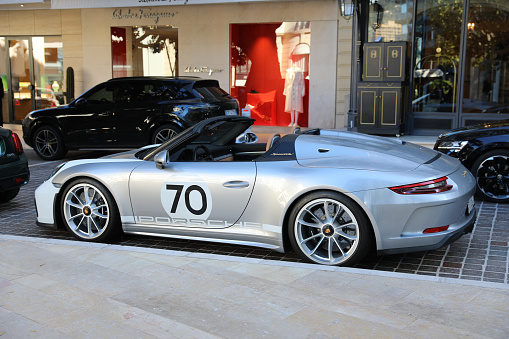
(491, 172)
(330, 229)
(89, 211)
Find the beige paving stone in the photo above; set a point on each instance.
(423, 328)
(13, 325)
(35, 281)
(465, 315)
(173, 261)
(118, 261)
(338, 325)
(10, 272)
(273, 273)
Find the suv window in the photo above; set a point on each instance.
(107, 93)
(209, 91)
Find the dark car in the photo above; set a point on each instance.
(484, 150)
(126, 113)
(14, 171)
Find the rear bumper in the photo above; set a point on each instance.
(14, 174)
(448, 239)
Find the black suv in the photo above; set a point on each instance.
(126, 113)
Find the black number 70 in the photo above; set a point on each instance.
(188, 191)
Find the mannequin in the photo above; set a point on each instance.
(294, 92)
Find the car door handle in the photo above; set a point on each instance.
(104, 114)
(236, 184)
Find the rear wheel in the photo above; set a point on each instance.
(329, 228)
(9, 195)
(164, 133)
(491, 171)
(48, 143)
(89, 211)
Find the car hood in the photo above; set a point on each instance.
(349, 150)
(476, 131)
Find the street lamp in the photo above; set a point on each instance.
(347, 8)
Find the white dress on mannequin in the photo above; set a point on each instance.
(294, 92)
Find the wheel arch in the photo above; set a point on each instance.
(289, 207)
(46, 121)
(57, 212)
(156, 124)
(479, 152)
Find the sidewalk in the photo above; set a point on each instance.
(61, 289)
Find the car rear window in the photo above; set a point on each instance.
(209, 90)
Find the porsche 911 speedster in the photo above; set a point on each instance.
(332, 196)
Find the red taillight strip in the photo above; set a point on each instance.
(17, 143)
(426, 187)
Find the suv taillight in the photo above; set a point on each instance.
(17, 143)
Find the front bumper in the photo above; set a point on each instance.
(45, 200)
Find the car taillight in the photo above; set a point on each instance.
(426, 187)
(17, 143)
(435, 229)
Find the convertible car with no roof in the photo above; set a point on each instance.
(332, 196)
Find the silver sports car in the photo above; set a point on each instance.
(332, 196)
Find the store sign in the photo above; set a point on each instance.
(202, 69)
(141, 13)
(67, 4)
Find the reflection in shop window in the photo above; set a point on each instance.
(487, 58)
(270, 71)
(144, 51)
(437, 43)
(390, 20)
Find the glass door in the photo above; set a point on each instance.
(21, 87)
(34, 74)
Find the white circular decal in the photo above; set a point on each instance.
(186, 200)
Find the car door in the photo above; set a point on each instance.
(135, 111)
(191, 194)
(89, 119)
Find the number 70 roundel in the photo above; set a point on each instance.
(186, 200)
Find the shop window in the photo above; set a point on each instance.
(270, 71)
(437, 49)
(487, 58)
(144, 51)
(390, 20)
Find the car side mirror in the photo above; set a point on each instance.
(247, 138)
(80, 102)
(162, 159)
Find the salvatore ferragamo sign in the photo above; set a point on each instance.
(141, 13)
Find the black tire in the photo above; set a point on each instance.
(95, 218)
(9, 195)
(164, 133)
(491, 172)
(48, 143)
(341, 236)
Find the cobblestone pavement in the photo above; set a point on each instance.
(482, 255)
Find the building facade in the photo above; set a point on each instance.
(288, 62)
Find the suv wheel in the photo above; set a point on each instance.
(164, 133)
(48, 143)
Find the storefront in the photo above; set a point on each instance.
(435, 64)
(250, 47)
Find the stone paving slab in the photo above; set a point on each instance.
(480, 256)
(66, 289)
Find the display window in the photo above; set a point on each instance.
(144, 51)
(270, 71)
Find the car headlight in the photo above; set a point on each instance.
(56, 169)
(451, 146)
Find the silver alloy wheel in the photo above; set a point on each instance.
(46, 142)
(493, 177)
(327, 231)
(164, 134)
(86, 211)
